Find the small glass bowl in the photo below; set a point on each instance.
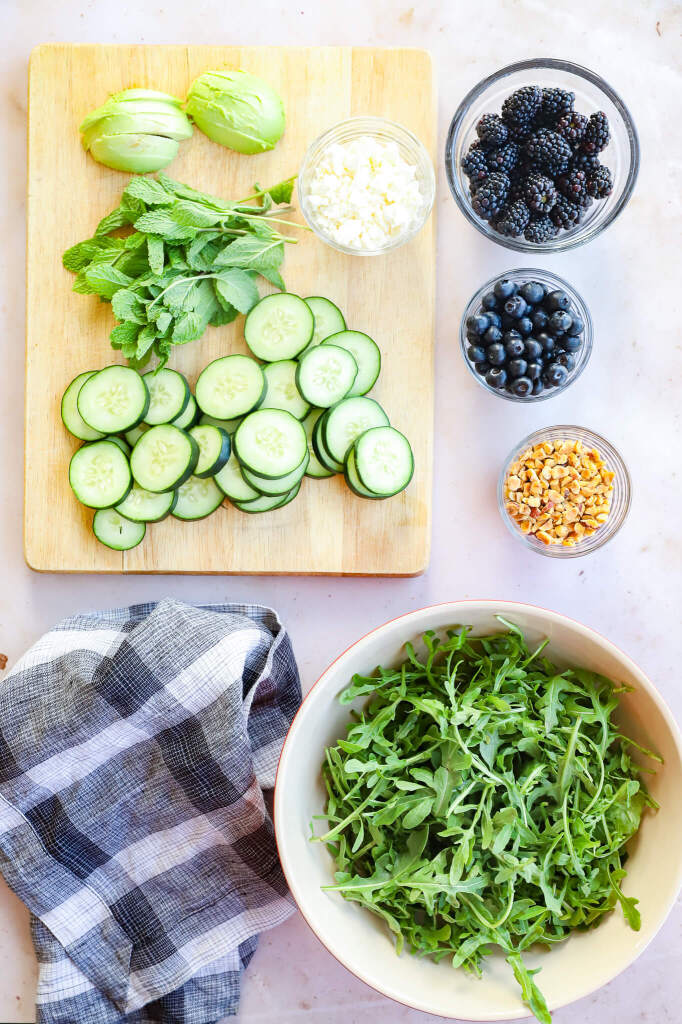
(411, 149)
(592, 93)
(553, 282)
(620, 496)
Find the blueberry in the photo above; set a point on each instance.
(504, 288)
(539, 319)
(555, 375)
(514, 347)
(533, 292)
(476, 354)
(521, 387)
(557, 300)
(565, 359)
(516, 306)
(538, 386)
(509, 323)
(492, 336)
(577, 327)
(473, 338)
(489, 301)
(494, 319)
(532, 349)
(559, 322)
(477, 324)
(571, 344)
(517, 367)
(525, 326)
(495, 354)
(496, 377)
(533, 370)
(482, 368)
(511, 335)
(546, 341)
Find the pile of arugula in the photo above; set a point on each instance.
(483, 798)
(191, 260)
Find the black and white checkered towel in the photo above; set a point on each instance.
(135, 746)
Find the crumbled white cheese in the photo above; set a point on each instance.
(363, 194)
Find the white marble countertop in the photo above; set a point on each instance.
(629, 591)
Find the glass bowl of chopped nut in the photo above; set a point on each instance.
(564, 491)
(366, 186)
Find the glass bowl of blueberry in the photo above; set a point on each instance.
(526, 335)
(542, 156)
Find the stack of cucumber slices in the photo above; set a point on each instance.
(250, 432)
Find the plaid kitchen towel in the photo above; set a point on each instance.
(135, 745)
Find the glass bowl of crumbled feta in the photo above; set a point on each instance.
(366, 186)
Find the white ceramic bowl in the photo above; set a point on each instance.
(359, 940)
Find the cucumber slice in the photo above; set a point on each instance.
(168, 396)
(115, 531)
(164, 458)
(231, 482)
(188, 416)
(323, 456)
(214, 449)
(230, 386)
(281, 390)
(279, 327)
(353, 480)
(346, 421)
(99, 474)
(325, 375)
(282, 485)
(123, 445)
(270, 442)
(71, 418)
(384, 461)
(328, 319)
(366, 354)
(142, 506)
(134, 435)
(315, 468)
(267, 502)
(229, 426)
(197, 498)
(113, 400)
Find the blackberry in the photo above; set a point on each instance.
(539, 193)
(564, 213)
(518, 183)
(492, 131)
(540, 230)
(520, 108)
(555, 104)
(474, 165)
(597, 135)
(572, 127)
(548, 151)
(514, 219)
(573, 185)
(600, 183)
(520, 132)
(584, 162)
(490, 197)
(504, 158)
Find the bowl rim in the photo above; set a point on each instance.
(556, 244)
(415, 614)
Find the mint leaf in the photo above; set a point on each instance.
(124, 334)
(282, 192)
(161, 222)
(237, 287)
(252, 254)
(188, 327)
(273, 275)
(125, 213)
(148, 191)
(224, 314)
(100, 249)
(155, 251)
(145, 340)
(126, 305)
(105, 280)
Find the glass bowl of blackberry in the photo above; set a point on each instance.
(526, 335)
(542, 156)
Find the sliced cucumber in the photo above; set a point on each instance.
(134, 435)
(229, 426)
(325, 375)
(366, 354)
(323, 456)
(270, 442)
(279, 327)
(123, 445)
(164, 458)
(197, 498)
(346, 421)
(328, 319)
(99, 474)
(142, 506)
(315, 468)
(214, 449)
(231, 482)
(168, 396)
(281, 391)
(384, 461)
(353, 480)
(116, 531)
(71, 418)
(230, 386)
(267, 502)
(188, 416)
(113, 400)
(282, 485)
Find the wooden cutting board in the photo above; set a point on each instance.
(327, 530)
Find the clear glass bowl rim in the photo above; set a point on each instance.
(369, 125)
(559, 243)
(532, 273)
(612, 457)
